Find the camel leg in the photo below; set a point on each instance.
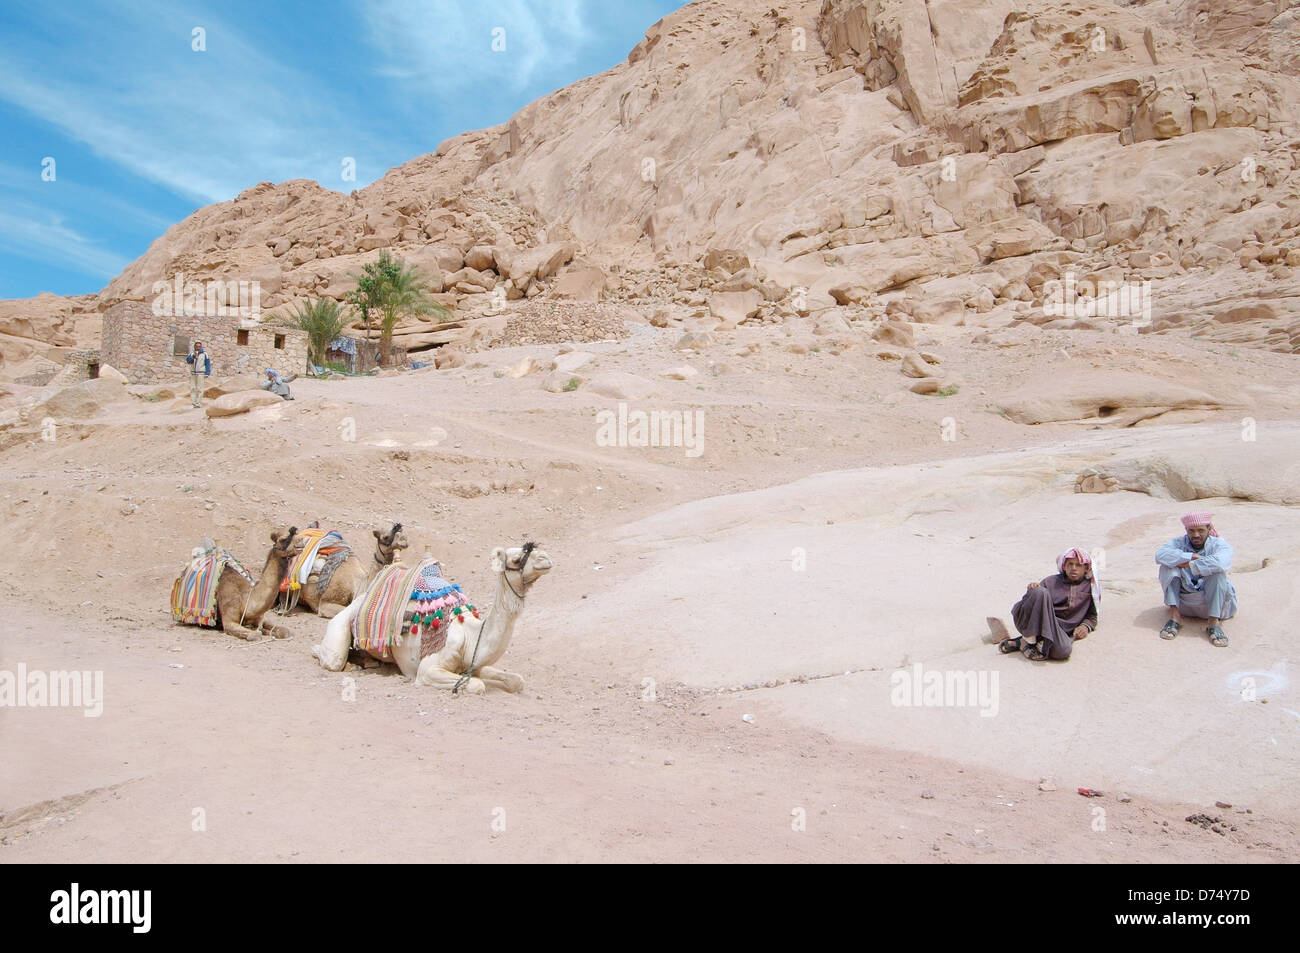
(430, 674)
(332, 652)
(270, 628)
(500, 678)
(229, 607)
(328, 610)
(231, 627)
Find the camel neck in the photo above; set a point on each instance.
(499, 625)
(268, 584)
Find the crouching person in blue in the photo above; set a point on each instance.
(1194, 578)
(276, 384)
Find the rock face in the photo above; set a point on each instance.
(1118, 398)
(820, 152)
(1195, 474)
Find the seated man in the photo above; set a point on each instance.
(1194, 577)
(276, 385)
(1054, 612)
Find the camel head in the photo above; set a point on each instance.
(282, 544)
(521, 565)
(391, 543)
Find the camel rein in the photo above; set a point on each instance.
(469, 672)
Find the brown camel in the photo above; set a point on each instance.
(352, 577)
(242, 606)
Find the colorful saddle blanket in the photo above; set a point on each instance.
(406, 600)
(318, 543)
(194, 593)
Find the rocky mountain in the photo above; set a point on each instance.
(849, 162)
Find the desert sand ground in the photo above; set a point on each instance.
(827, 537)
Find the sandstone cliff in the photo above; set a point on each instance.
(930, 160)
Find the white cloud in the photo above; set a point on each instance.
(440, 45)
(49, 241)
(194, 122)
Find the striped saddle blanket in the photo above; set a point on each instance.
(318, 543)
(194, 593)
(410, 601)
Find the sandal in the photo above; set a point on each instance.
(1170, 630)
(1034, 653)
(1007, 646)
(1218, 637)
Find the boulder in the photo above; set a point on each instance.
(849, 294)
(914, 365)
(538, 262)
(622, 386)
(727, 259)
(216, 387)
(156, 392)
(522, 369)
(694, 341)
(80, 400)
(437, 259)
(111, 373)
(733, 307)
(572, 360)
(895, 332)
(241, 402)
(949, 311)
(448, 357)
(481, 258)
(586, 283)
(561, 382)
(468, 279)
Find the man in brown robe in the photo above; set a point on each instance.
(1054, 612)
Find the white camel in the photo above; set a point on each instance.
(473, 645)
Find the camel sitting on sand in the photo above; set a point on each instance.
(350, 577)
(474, 640)
(240, 605)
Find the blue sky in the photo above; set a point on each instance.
(143, 128)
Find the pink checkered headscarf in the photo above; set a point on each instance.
(1199, 518)
(1090, 572)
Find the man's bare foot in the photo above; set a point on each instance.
(997, 631)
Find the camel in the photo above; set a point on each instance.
(473, 645)
(242, 606)
(352, 577)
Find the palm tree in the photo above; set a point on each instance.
(371, 283)
(323, 320)
(393, 289)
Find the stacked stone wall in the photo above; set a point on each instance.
(142, 344)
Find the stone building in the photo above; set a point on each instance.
(150, 348)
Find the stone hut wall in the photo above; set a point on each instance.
(150, 348)
(78, 367)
